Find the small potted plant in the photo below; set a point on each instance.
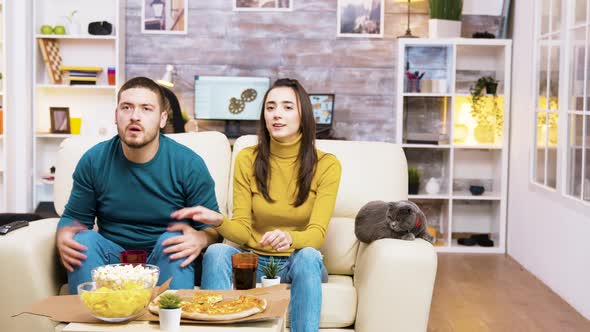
(170, 312)
(445, 18)
(271, 272)
(489, 116)
(413, 180)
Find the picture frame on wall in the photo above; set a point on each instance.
(60, 120)
(360, 18)
(164, 16)
(263, 5)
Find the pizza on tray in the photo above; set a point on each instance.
(213, 307)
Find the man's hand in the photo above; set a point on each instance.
(70, 251)
(279, 240)
(200, 214)
(189, 244)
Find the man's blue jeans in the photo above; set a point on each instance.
(304, 269)
(102, 251)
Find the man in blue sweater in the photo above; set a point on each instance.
(131, 184)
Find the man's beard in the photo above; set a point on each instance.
(135, 144)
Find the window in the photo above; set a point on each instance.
(570, 48)
(546, 115)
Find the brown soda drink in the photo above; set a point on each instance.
(244, 270)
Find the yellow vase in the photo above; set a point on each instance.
(460, 133)
(484, 134)
(75, 124)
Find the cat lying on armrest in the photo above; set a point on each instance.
(395, 220)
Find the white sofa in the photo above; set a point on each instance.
(384, 286)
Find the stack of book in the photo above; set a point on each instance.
(81, 75)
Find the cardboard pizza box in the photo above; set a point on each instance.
(69, 308)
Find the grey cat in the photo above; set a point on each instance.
(396, 220)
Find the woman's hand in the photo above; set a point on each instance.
(188, 245)
(200, 214)
(279, 240)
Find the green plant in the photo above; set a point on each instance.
(446, 9)
(272, 269)
(169, 301)
(70, 17)
(486, 114)
(413, 175)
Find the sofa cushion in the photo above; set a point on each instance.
(366, 166)
(340, 247)
(212, 146)
(339, 302)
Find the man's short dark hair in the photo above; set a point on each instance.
(146, 83)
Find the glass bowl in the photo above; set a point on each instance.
(119, 292)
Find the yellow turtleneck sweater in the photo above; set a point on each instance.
(253, 216)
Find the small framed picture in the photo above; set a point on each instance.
(60, 120)
(164, 16)
(360, 18)
(263, 5)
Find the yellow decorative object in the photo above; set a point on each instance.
(75, 124)
(460, 133)
(484, 134)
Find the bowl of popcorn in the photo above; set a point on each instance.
(119, 292)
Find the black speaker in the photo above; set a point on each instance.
(103, 28)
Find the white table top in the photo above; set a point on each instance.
(275, 325)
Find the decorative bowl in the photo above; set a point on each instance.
(476, 190)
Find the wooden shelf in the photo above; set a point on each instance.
(426, 146)
(64, 86)
(467, 196)
(477, 147)
(427, 196)
(58, 136)
(426, 94)
(458, 61)
(88, 37)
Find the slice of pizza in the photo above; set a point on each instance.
(212, 307)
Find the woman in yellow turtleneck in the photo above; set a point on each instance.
(284, 195)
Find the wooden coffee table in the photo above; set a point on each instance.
(275, 325)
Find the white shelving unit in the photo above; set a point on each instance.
(94, 104)
(3, 102)
(441, 137)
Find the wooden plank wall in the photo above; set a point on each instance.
(301, 44)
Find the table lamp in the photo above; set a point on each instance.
(408, 31)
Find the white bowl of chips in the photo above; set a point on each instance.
(119, 292)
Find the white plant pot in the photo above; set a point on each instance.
(444, 28)
(170, 319)
(269, 282)
(73, 28)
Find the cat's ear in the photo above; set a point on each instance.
(391, 210)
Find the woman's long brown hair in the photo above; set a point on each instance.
(307, 157)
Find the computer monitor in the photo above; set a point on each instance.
(229, 98)
(323, 112)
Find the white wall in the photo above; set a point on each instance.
(482, 7)
(547, 233)
(18, 109)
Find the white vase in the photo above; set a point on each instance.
(432, 186)
(170, 319)
(269, 282)
(73, 28)
(444, 28)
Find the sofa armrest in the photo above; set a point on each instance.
(30, 272)
(394, 281)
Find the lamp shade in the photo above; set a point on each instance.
(167, 79)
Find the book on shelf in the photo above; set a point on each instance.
(82, 68)
(82, 82)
